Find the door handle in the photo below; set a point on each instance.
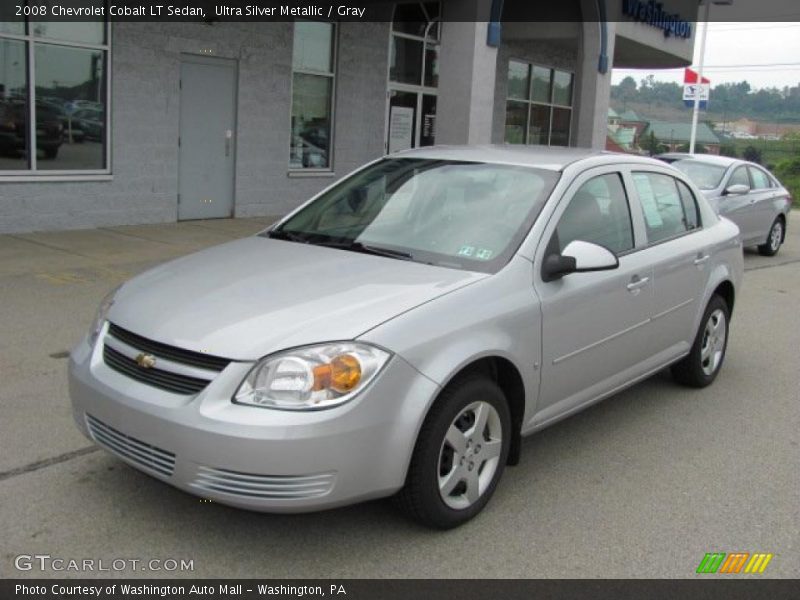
(637, 283)
(701, 258)
(228, 137)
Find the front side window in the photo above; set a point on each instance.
(662, 205)
(456, 214)
(313, 78)
(57, 121)
(539, 105)
(739, 177)
(598, 213)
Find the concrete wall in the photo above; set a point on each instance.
(145, 117)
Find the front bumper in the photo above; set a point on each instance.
(249, 457)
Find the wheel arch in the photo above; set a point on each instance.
(507, 376)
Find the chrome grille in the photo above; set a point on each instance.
(187, 357)
(172, 382)
(176, 370)
(143, 454)
(264, 486)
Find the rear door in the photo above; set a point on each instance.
(763, 197)
(677, 250)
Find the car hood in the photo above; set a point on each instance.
(248, 298)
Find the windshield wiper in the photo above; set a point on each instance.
(289, 236)
(365, 249)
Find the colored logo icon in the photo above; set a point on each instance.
(734, 562)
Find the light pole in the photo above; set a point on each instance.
(696, 111)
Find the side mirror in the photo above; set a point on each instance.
(578, 257)
(737, 189)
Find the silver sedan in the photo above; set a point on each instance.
(742, 191)
(403, 330)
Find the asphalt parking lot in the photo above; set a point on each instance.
(642, 485)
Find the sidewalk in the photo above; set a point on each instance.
(65, 257)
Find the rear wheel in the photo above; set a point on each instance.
(460, 454)
(700, 367)
(774, 239)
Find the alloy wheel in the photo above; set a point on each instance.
(775, 236)
(470, 455)
(713, 346)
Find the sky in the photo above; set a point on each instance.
(736, 51)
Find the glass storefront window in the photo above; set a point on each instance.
(516, 122)
(313, 47)
(70, 107)
(538, 109)
(14, 127)
(562, 88)
(312, 96)
(57, 123)
(93, 32)
(518, 80)
(406, 61)
(541, 84)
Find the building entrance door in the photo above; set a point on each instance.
(207, 138)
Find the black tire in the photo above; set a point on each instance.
(421, 498)
(50, 153)
(690, 370)
(774, 239)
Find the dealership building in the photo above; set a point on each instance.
(126, 123)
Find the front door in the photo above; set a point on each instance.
(739, 207)
(594, 325)
(412, 120)
(207, 138)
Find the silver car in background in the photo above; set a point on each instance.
(744, 192)
(400, 332)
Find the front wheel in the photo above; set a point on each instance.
(774, 239)
(700, 367)
(460, 454)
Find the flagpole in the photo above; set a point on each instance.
(696, 111)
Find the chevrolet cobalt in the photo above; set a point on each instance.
(400, 332)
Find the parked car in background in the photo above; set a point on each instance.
(90, 121)
(742, 191)
(14, 128)
(400, 333)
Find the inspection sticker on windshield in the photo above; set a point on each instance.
(466, 251)
(483, 254)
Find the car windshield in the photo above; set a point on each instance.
(454, 214)
(704, 175)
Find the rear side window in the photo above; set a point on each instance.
(690, 208)
(663, 206)
(598, 213)
(739, 177)
(760, 179)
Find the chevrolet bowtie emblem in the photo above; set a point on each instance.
(146, 361)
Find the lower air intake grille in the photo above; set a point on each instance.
(287, 487)
(125, 446)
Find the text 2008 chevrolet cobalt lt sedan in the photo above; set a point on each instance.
(400, 332)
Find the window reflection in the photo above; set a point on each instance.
(70, 108)
(311, 122)
(13, 106)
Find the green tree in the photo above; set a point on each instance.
(752, 154)
(728, 149)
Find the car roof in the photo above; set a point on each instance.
(711, 159)
(542, 157)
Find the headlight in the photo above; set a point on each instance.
(101, 314)
(311, 378)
